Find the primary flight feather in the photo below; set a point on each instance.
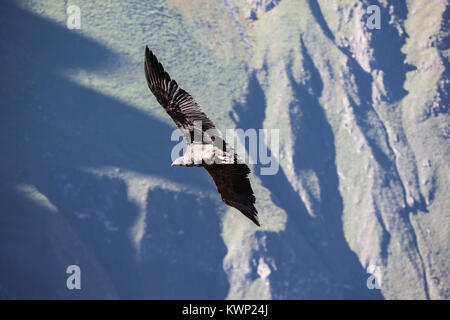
(228, 171)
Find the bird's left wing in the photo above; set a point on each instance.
(179, 104)
(234, 186)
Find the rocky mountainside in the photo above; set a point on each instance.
(358, 209)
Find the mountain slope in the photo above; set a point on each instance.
(364, 127)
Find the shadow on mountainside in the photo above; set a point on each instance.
(314, 151)
(52, 130)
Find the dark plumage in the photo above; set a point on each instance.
(230, 176)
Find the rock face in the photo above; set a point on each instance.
(358, 209)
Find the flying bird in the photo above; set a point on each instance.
(229, 172)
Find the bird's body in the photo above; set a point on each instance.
(204, 154)
(205, 146)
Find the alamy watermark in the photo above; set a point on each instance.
(374, 280)
(73, 17)
(74, 280)
(209, 147)
(374, 20)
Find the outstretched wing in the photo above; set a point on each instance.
(179, 104)
(234, 186)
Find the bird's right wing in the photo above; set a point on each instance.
(179, 104)
(234, 186)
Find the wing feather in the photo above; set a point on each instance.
(179, 104)
(234, 186)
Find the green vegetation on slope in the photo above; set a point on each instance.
(363, 119)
